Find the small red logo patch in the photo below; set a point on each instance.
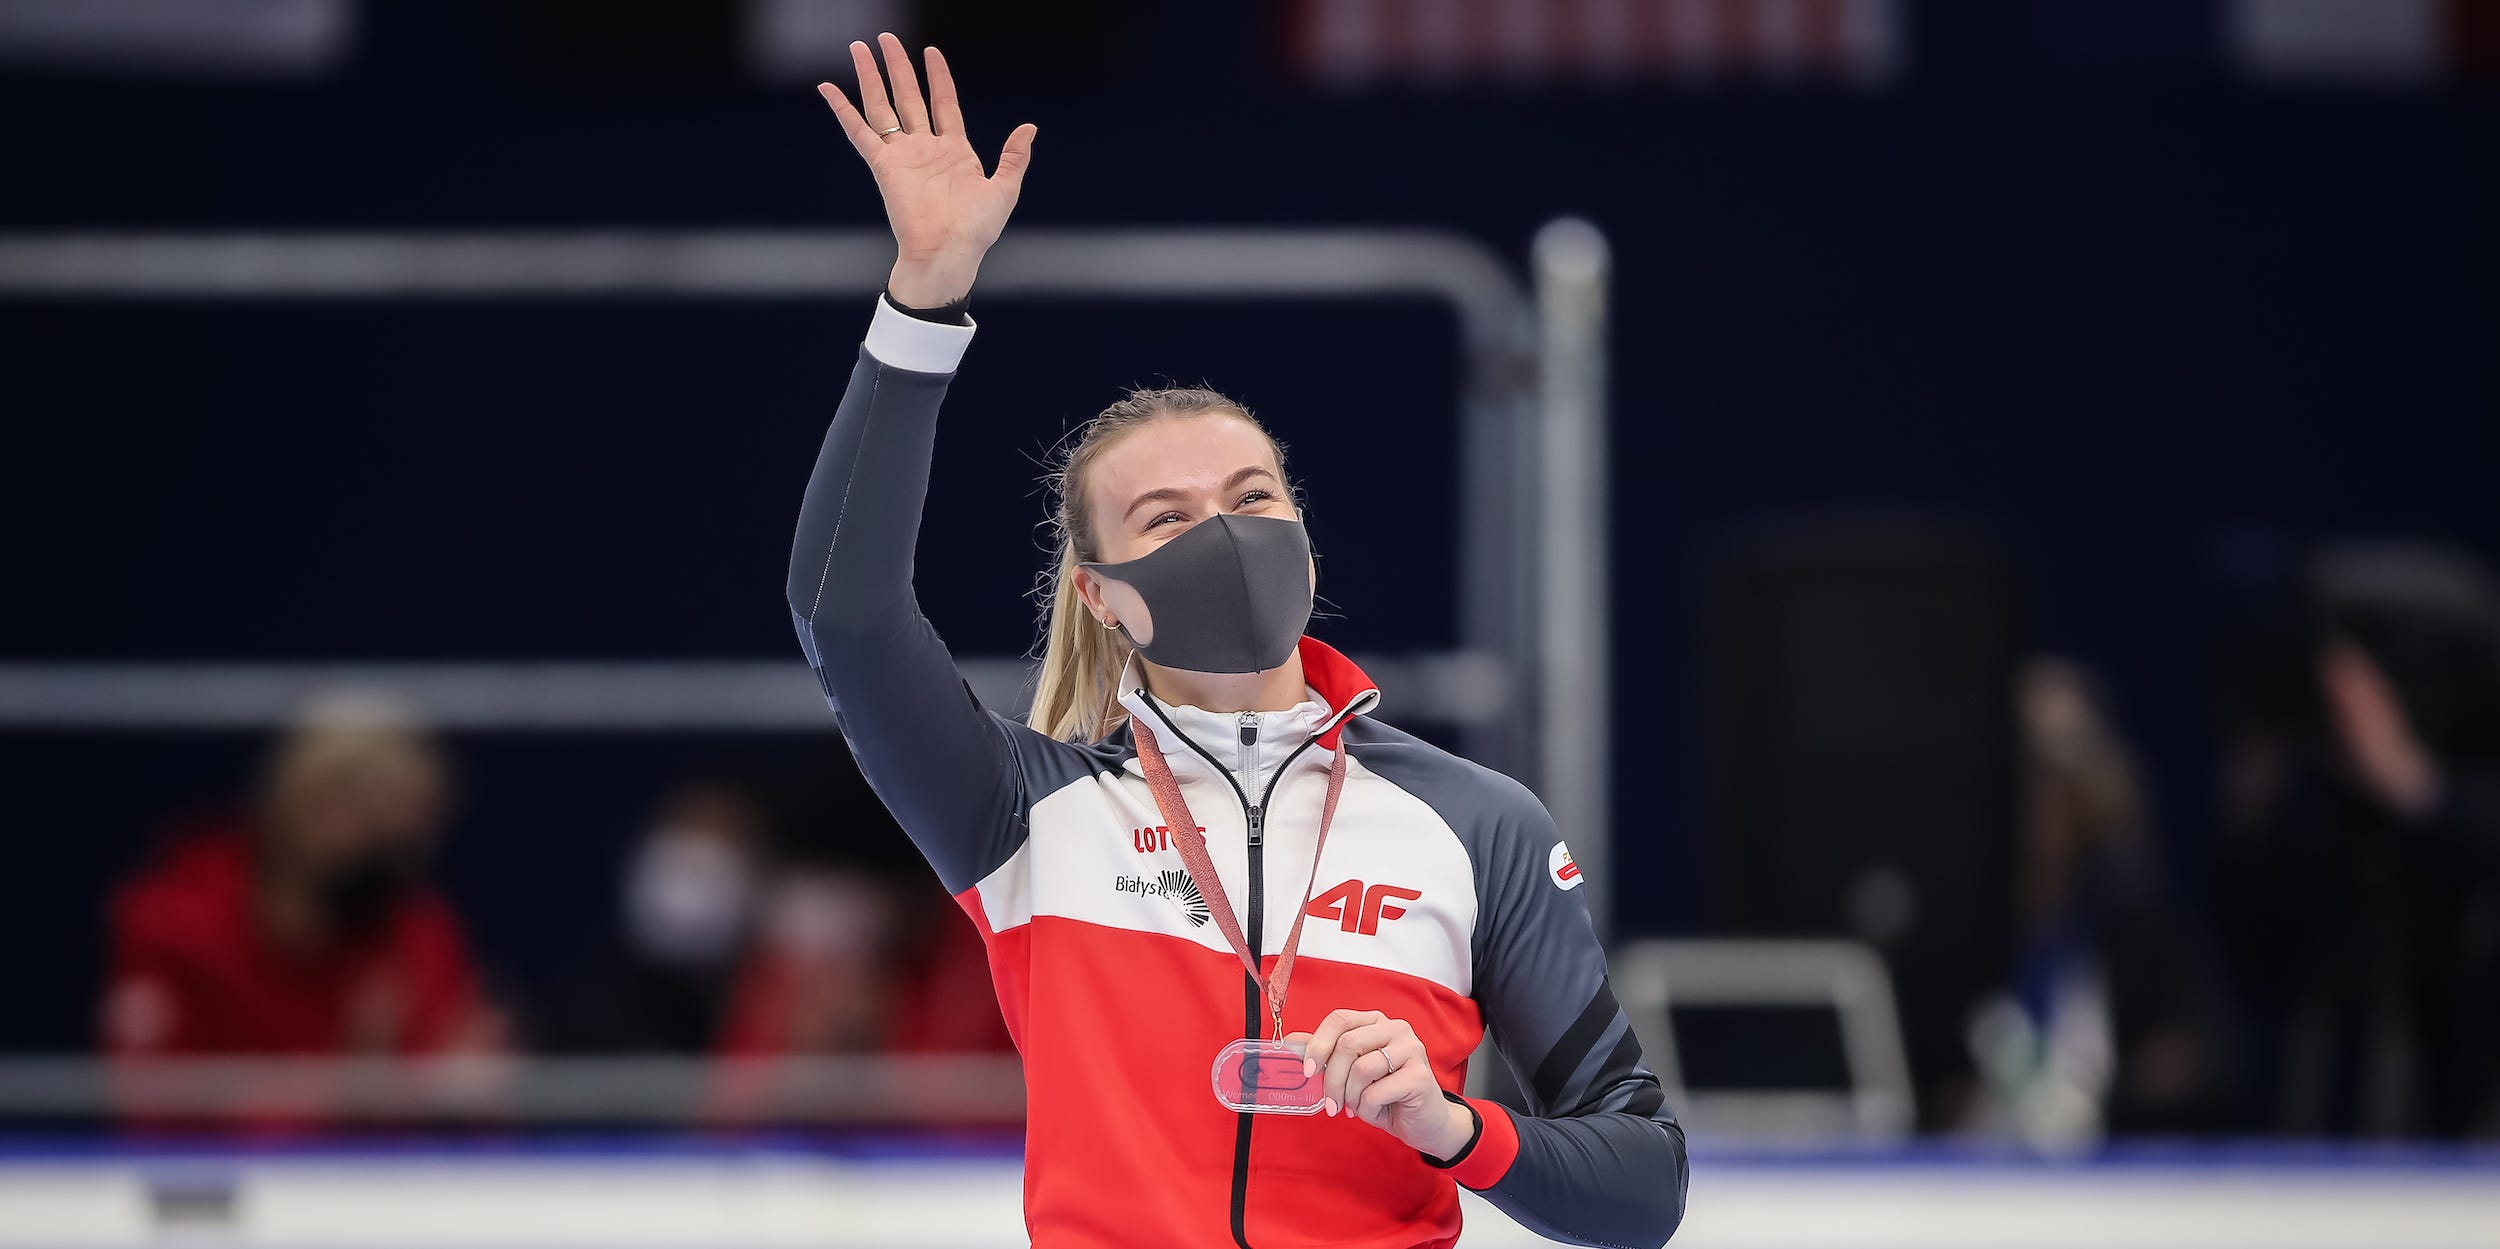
(1566, 873)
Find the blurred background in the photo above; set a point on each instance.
(1978, 519)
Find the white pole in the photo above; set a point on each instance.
(1573, 706)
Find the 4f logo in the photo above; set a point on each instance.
(1360, 909)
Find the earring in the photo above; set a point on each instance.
(1111, 624)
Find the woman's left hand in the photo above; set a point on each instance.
(1378, 1072)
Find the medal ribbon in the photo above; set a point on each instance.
(1192, 845)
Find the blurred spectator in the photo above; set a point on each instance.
(852, 958)
(857, 948)
(2113, 1021)
(2361, 793)
(849, 959)
(950, 1004)
(824, 975)
(304, 927)
(689, 901)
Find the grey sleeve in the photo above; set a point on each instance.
(1600, 1161)
(945, 766)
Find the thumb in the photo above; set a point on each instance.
(1013, 159)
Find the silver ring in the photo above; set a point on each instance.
(887, 131)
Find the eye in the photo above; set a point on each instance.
(1164, 517)
(1254, 498)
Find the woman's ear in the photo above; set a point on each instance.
(1116, 603)
(1089, 590)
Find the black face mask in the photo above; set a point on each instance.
(1231, 595)
(359, 895)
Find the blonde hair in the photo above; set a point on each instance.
(366, 746)
(1075, 699)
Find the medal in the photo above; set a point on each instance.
(1260, 1076)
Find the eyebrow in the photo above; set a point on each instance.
(1176, 493)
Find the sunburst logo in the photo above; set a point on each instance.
(1184, 893)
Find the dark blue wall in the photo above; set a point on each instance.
(2154, 329)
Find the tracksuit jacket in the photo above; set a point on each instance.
(1446, 899)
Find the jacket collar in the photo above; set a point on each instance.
(1338, 691)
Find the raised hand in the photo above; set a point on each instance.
(944, 209)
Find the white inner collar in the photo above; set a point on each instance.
(1219, 733)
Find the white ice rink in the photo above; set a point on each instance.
(675, 1196)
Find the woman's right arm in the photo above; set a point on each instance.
(945, 766)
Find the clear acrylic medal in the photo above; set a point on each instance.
(1265, 1077)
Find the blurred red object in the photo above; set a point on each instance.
(198, 973)
(840, 967)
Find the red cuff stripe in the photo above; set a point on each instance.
(1495, 1149)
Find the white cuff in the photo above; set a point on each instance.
(900, 340)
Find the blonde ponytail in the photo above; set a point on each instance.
(1076, 698)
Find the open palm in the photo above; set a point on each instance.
(945, 210)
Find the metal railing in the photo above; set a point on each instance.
(640, 1091)
(1652, 978)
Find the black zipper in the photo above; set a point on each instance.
(1252, 1007)
(1253, 1017)
(1220, 769)
(1254, 1010)
(1279, 774)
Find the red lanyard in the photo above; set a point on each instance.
(1192, 843)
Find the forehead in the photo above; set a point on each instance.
(1188, 452)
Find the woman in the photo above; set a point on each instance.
(1167, 808)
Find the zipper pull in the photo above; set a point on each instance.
(1249, 722)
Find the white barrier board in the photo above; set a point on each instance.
(665, 1199)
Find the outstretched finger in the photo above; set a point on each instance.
(1353, 1046)
(942, 103)
(898, 70)
(1361, 1075)
(1322, 1042)
(854, 127)
(872, 101)
(1407, 1078)
(1013, 159)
